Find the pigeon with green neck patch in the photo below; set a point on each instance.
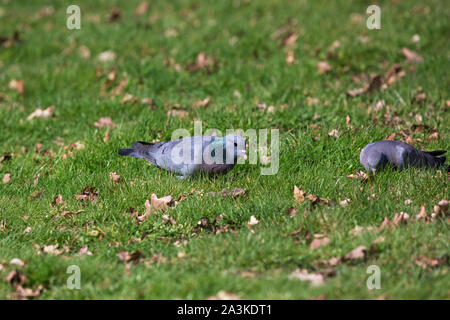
(187, 156)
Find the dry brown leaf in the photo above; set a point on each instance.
(319, 241)
(323, 67)
(161, 204)
(224, 295)
(201, 103)
(57, 200)
(233, 192)
(358, 253)
(203, 62)
(422, 215)
(358, 175)
(374, 84)
(70, 213)
(107, 56)
(142, 8)
(316, 279)
(6, 178)
(425, 263)
(253, 221)
(115, 15)
(334, 133)
(39, 113)
(16, 278)
(299, 195)
(411, 56)
(134, 256)
(84, 250)
(17, 85)
(114, 177)
(54, 249)
(88, 193)
(104, 122)
(178, 113)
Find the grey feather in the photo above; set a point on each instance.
(375, 156)
(187, 156)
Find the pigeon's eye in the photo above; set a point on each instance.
(235, 144)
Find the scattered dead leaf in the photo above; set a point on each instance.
(114, 177)
(224, 295)
(104, 122)
(88, 193)
(142, 8)
(17, 85)
(323, 67)
(357, 253)
(42, 114)
(57, 200)
(6, 178)
(316, 279)
(201, 103)
(319, 241)
(233, 192)
(411, 56)
(299, 195)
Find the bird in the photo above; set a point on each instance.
(376, 155)
(190, 155)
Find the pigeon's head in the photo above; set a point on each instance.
(234, 147)
(376, 161)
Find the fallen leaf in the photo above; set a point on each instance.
(25, 293)
(344, 202)
(178, 113)
(57, 200)
(104, 122)
(17, 85)
(115, 15)
(161, 204)
(71, 213)
(400, 218)
(39, 113)
(358, 175)
(134, 257)
(88, 193)
(299, 195)
(224, 295)
(316, 279)
(253, 221)
(6, 178)
(374, 84)
(84, 251)
(411, 56)
(318, 242)
(424, 262)
(323, 67)
(233, 192)
(201, 103)
(54, 249)
(142, 8)
(17, 262)
(16, 278)
(203, 62)
(358, 253)
(334, 133)
(114, 177)
(107, 56)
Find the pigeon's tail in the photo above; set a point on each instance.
(127, 152)
(436, 153)
(434, 160)
(140, 149)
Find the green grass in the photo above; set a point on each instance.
(238, 35)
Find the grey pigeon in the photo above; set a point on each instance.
(190, 155)
(375, 156)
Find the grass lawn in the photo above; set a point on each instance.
(272, 64)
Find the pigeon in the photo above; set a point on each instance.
(187, 156)
(375, 156)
